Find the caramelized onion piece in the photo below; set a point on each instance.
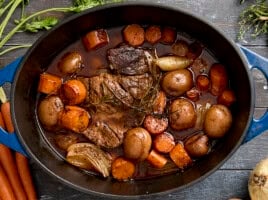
(89, 156)
(170, 63)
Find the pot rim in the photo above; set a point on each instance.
(143, 4)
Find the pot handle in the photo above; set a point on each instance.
(256, 61)
(10, 140)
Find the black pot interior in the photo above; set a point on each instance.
(25, 87)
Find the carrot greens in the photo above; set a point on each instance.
(36, 21)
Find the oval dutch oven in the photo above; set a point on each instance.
(24, 75)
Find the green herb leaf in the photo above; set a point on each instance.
(254, 20)
(39, 23)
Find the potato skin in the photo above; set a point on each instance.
(177, 82)
(218, 121)
(48, 111)
(137, 144)
(182, 114)
(197, 145)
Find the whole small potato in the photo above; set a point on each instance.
(49, 109)
(197, 145)
(137, 144)
(182, 114)
(176, 83)
(218, 121)
(70, 62)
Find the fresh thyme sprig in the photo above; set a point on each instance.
(254, 20)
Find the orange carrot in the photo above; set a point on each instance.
(25, 175)
(202, 82)
(122, 169)
(180, 157)
(218, 78)
(6, 156)
(74, 91)
(160, 102)
(49, 84)
(227, 97)
(2, 123)
(6, 192)
(74, 118)
(156, 159)
(169, 35)
(164, 142)
(134, 34)
(95, 39)
(153, 34)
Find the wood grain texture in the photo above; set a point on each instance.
(231, 179)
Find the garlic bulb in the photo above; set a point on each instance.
(258, 181)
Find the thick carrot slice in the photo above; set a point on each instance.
(122, 169)
(74, 118)
(227, 97)
(25, 175)
(134, 34)
(153, 34)
(74, 91)
(164, 142)
(169, 35)
(180, 157)
(155, 125)
(202, 82)
(95, 39)
(49, 84)
(156, 159)
(6, 192)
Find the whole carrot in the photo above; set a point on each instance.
(6, 192)
(2, 123)
(25, 175)
(6, 156)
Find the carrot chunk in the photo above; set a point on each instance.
(122, 169)
(153, 34)
(227, 97)
(95, 39)
(49, 84)
(219, 79)
(164, 142)
(202, 82)
(169, 35)
(156, 160)
(134, 34)
(180, 157)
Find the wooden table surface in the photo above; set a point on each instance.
(231, 179)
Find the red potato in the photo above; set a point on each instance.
(153, 34)
(74, 118)
(70, 63)
(156, 160)
(202, 82)
(218, 78)
(160, 102)
(49, 84)
(95, 39)
(169, 35)
(164, 142)
(180, 157)
(155, 125)
(122, 169)
(74, 91)
(134, 34)
(227, 98)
